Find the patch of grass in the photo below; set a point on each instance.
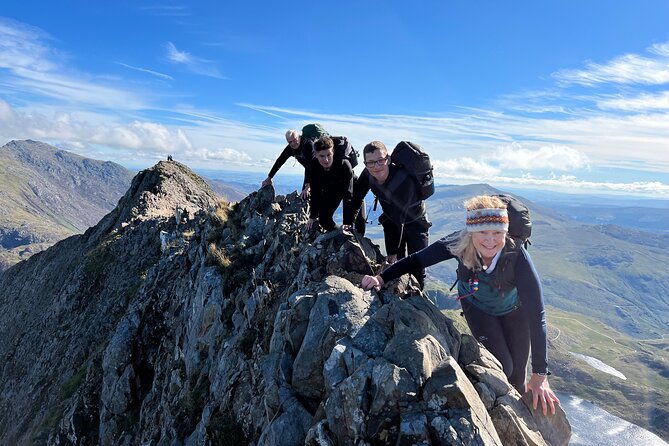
(221, 212)
(69, 387)
(217, 256)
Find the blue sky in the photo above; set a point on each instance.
(569, 95)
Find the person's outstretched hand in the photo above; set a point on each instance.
(541, 392)
(305, 192)
(369, 282)
(266, 182)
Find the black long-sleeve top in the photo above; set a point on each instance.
(530, 294)
(303, 154)
(398, 196)
(336, 183)
(399, 200)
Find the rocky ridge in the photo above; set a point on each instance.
(229, 324)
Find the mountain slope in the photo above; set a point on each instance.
(47, 194)
(235, 326)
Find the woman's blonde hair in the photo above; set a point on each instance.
(463, 247)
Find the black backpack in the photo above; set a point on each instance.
(412, 158)
(520, 223)
(344, 149)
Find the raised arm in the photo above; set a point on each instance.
(435, 253)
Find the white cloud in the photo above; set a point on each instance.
(143, 135)
(569, 183)
(467, 171)
(625, 69)
(464, 168)
(229, 155)
(174, 55)
(194, 64)
(556, 157)
(643, 102)
(137, 141)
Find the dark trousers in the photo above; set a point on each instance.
(412, 238)
(507, 337)
(328, 207)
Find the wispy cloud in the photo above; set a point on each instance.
(144, 70)
(625, 69)
(642, 102)
(21, 47)
(584, 138)
(194, 64)
(33, 67)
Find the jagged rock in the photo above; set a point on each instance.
(241, 329)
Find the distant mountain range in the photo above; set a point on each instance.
(47, 194)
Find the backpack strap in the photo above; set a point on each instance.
(505, 276)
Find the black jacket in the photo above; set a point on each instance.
(336, 183)
(398, 197)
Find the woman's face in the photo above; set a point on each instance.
(488, 243)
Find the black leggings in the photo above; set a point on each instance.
(507, 337)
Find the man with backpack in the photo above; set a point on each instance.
(302, 150)
(404, 217)
(332, 180)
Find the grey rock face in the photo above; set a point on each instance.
(241, 328)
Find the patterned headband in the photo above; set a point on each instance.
(487, 220)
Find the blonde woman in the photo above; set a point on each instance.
(499, 291)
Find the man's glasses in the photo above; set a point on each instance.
(378, 163)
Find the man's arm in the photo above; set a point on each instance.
(280, 161)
